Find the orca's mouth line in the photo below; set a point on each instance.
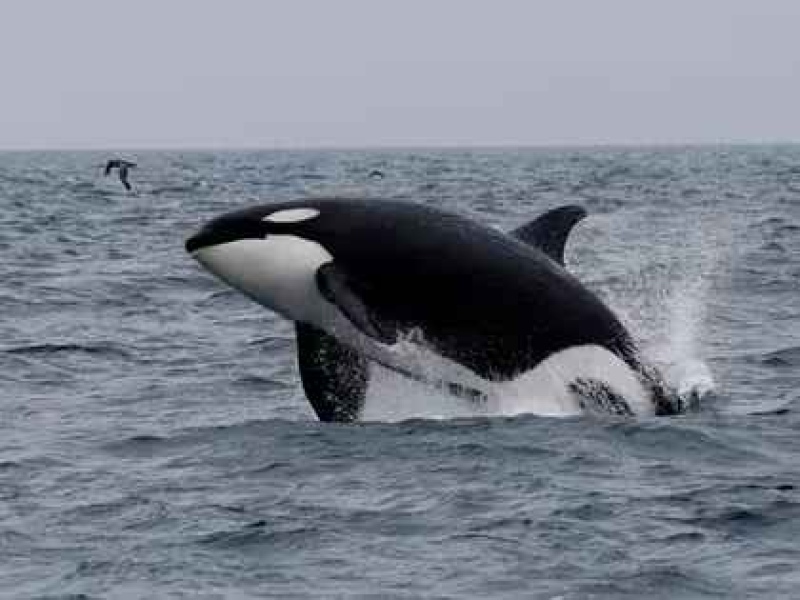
(215, 234)
(206, 238)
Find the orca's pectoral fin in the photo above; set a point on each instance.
(334, 376)
(549, 231)
(335, 286)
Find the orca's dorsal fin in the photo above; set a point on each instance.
(334, 376)
(549, 231)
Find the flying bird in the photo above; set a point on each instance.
(122, 167)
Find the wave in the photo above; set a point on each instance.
(102, 348)
(785, 357)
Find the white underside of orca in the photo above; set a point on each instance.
(545, 390)
(279, 272)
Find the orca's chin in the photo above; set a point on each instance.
(194, 243)
(277, 271)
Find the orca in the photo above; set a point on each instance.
(365, 280)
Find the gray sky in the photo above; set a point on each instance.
(267, 73)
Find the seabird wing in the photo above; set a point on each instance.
(123, 176)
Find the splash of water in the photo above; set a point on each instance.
(679, 349)
(683, 363)
(394, 397)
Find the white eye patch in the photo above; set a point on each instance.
(292, 215)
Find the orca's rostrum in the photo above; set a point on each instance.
(364, 280)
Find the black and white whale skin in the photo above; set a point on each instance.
(365, 280)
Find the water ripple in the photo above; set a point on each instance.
(155, 440)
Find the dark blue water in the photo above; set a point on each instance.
(155, 442)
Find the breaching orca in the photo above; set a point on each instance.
(364, 280)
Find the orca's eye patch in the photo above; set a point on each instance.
(291, 215)
(246, 225)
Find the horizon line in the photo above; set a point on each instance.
(442, 146)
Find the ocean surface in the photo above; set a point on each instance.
(155, 441)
